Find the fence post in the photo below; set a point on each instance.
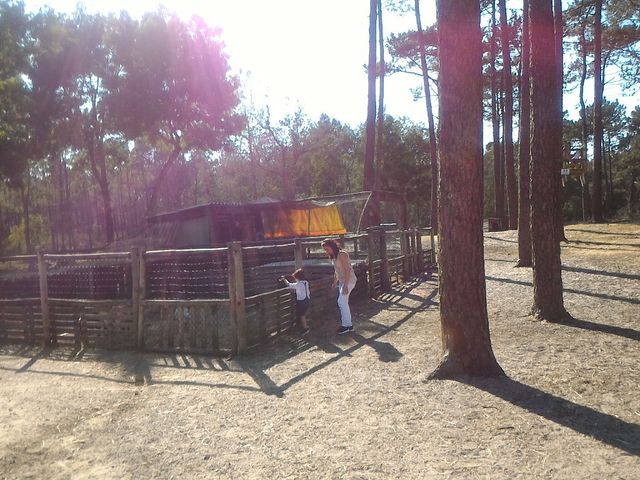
(237, 297)
(414, 250)
(433, 246)
(44, 300)
(138, 280)
(411, 238)
(420, 255)
(404, 251)
(298, 254)
(371, 260)
(385, 281)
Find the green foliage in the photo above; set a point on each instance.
(406, 159)
(16, 243)
(172, 79)
(333, 158)
(97, 109)
(14, 99)
(620, 37)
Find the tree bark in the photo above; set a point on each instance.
(60, 216)
(369, 155)
(95, 149)
(559, 77)
(157, 183)
(633, 193)
(596, 207)
(498, 172)
(507, 83)
(254, 161)
(433, 152)
(68, 207)
(524, 206)
(545, 149)
(463, 309)
(105, 193)
(609, 177)
(26, 201)
(586, 199)
(373, 213)
(379, 151)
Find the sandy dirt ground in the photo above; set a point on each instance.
(358, 406)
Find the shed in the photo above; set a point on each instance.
(218, 223)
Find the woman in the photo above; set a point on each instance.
(344, 279)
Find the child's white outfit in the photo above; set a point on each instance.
(303, 294)
(301, 288)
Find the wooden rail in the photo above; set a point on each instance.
(193, 322)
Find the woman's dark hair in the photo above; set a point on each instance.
(333, 245)
(299, 274)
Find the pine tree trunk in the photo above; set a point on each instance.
(107, 209)
(607, 156)
(512, 190)
(596, 198)
(559, 77)
(463, 308)
(545, 149)
(586, 198)
(69, 208)
(95, 151)
(379, 152)
(498, 172)
(59, 224)
(369, 155)
(633, 193)
(373, 212)
(159, 181)
(433, 148)
(26, 218)
(524, 206)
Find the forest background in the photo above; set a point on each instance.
(105, 119)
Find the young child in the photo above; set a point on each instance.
(303, 295)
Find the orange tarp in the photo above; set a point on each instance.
(282, 222)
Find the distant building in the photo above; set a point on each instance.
(218, 223)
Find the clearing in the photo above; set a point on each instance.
(357, 406)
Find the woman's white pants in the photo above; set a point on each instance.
(343, 305)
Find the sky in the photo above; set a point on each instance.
(307, 54)
(294, 53)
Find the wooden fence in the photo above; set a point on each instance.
(214, 300)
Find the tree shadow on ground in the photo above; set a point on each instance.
(135, 368)
(627, 276)
(629, 333)
(129, 367)
(605, 428)
(600, 232)
(34, 354)
(618, 250)
(606, 244)
(634, 301)
(385, 350)
(502, 260)
(585, 324)
(566, 268)
(256, 363)
(498, 239)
